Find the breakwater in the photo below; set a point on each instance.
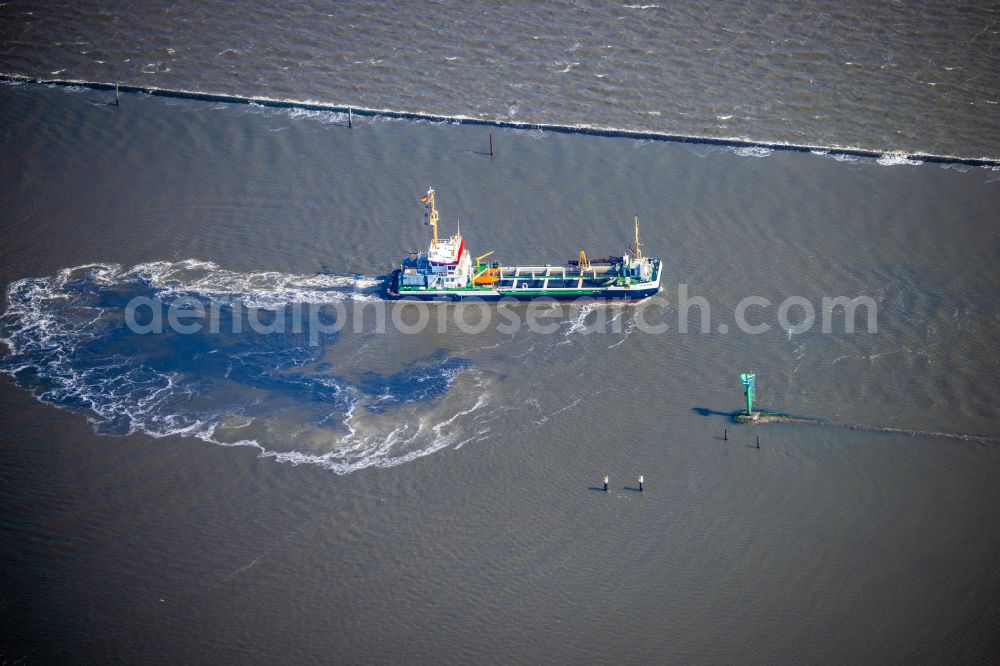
(732, 142)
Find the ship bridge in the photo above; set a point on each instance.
(447, 252)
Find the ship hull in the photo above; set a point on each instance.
(635, 292)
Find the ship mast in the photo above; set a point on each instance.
(638, 252)
(432, 215)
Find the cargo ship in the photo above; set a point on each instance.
(448, 272)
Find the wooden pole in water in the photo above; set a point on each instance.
(116, 94)
(350, 118)
(725, 434)
(491, 144)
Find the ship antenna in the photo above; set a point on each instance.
(638, 252)
(433, 218)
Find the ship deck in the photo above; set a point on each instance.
(542, 279)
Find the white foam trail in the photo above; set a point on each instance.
(753, 151)
(629, 328)
(404, 443)
(545, 417)
(841, 157)
(894, 159)
(579, 323)
(50, 320)
(265, 290)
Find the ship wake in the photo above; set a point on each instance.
(296, 395)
